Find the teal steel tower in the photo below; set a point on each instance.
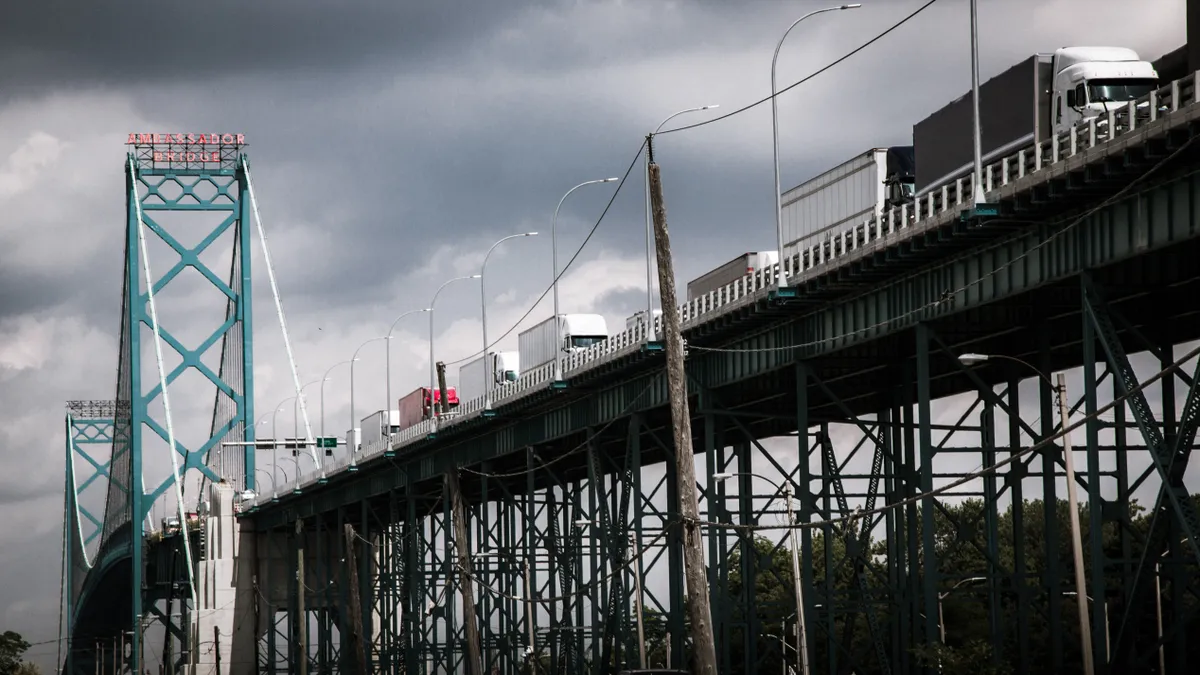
(118, 589)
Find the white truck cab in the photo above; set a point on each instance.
(1090, 81)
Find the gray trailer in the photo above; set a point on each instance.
(746, 263)
(1014, 112)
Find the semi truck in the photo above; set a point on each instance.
(495, 369)
(640, 318)
(744, 264)
(1041, 95)
(850, 193)
(373, 426)
(414, 406)
(553, 337)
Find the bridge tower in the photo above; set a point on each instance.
(187, 222)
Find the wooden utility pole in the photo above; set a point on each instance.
(441, 378)
(217, 647)
(705, 650)
(474, 659)
(302, 624)
(355, 602)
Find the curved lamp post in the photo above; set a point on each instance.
(650, 226)
(487, 385)
(1085, 634)
(782, 278)
(432, 364)
(554, 260)
(353, 444)
(797, 581)
(387, 409)
(323, 381)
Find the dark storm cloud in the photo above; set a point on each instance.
(51, 42)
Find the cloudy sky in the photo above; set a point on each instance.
(391, 144)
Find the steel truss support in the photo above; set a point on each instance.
(1175, 525)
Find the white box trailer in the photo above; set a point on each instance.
(495, 369)
(540, 345)
(851, 193)
(640, 318)
(744, 264)
(373, 428)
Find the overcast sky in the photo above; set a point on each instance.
(391, 144)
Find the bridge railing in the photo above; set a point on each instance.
(827, 250)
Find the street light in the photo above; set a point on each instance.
(354, 444)
(637, 580)
(554, 260)
(1085, 634)
(782, 279)
(296, 413)
(650, 227)
(326, 379)
(797, 582)
(943, 594)
(387, 409)
(275, 436)
(977, 191)
(432, 366)
(487, 385)
(529, 604)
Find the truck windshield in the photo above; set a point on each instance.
(1118, 91)
(582, 341)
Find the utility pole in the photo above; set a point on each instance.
(441, 379)
(474, 659)
(637, 583)
(797, 583)
(359, 639)
(705, 651)
(217, 648)
(302, 628)
(1085, 628)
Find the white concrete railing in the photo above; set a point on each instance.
(815, 256)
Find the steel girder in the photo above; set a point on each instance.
(907, 356)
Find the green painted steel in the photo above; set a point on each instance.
(156, 194)
(568, 483)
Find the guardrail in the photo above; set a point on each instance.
(811, 260)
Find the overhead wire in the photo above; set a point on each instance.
(566, 267)
(1118, 400)
(828, 66)
(946, 295)
(825, 68)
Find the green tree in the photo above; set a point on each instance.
(12, 648)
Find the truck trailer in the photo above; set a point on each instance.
(640, 318)
(494, 369)
(374, 426)
(850, 193)
(744, 264)
(414, 406)
(1041, 95)
(542, 343)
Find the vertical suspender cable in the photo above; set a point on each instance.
(162, 378)
(287, 342)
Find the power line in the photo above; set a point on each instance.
(856, 50)
(565, 267)
(950, 293)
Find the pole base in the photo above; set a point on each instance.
(559, 384)
(653, 346)
(980, 210)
